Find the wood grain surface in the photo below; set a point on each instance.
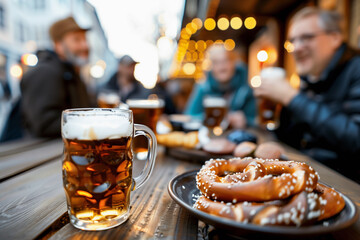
(31, 202)
(17, 146)
(23, 160)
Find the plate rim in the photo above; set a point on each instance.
(252, 228)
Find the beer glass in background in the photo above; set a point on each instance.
(108, 99)
(97, 165)
(147, 112)
(269, 112)
(215, 114)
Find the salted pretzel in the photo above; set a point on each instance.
(251, 179)
(303, 208)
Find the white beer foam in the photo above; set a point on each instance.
(96, 127)
(273, 72)
(214, 102)
(135, 103)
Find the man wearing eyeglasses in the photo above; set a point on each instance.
(322, 118)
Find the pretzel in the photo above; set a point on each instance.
(254, 179)
(303, 208)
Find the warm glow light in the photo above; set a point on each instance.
(209, 43)
(198, 22)
(29, 59)
(189, 68)
(262, 56)
(217, 131)
(229, 44)
(295, 81)
(184, 34)
(97, 71)
(200, 45)
(195, 56)
(16, 71)
(236, 23)
(192, 27)
(255, 82)
(250, 23)
(272, 56)
(289, 46)
(188, 56)
(219, 41)
(206, 65)
(223, 23)
(192, 46)
(209, 24)
(201, 55)
(101, 63)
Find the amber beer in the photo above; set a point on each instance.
(146, 112)
(108, 100)
(97, 166)
(215, 111)
(269, 111)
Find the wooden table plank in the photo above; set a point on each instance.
(22, 161)
(17, 146)
(153, 213)
(31, 202)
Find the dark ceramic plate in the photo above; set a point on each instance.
(183, 187)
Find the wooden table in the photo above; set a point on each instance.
(33, 206)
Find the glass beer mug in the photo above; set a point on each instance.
(97, 165)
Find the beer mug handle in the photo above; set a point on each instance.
(141, 130)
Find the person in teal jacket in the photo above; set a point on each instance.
(229, 81)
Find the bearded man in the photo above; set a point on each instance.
(54, 84)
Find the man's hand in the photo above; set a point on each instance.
(237, 120)
(277, 90)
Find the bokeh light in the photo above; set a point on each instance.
(97, 71)
(200, 45)
(16, 71)
(223, 23)
(209, 43)
(262, 56)
(189, 68)
(198, 22)
(289, 46)
(250, 23)
(229, 44)
(295, 81)
(272, 55)
(255, 81)
(236, 23)
(206, 64)
(209, 24)
(192, 46)
(29, 59)
(192, 27)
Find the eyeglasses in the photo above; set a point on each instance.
(305, 38)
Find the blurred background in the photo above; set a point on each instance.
(166, 38)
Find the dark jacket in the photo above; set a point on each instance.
(48, 89)
(323, 120)
(138, 91)
(238, 90)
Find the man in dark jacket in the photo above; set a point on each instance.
(124, 82)
(54, 84)
(323, 117)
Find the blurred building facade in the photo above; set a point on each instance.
(24, 28)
